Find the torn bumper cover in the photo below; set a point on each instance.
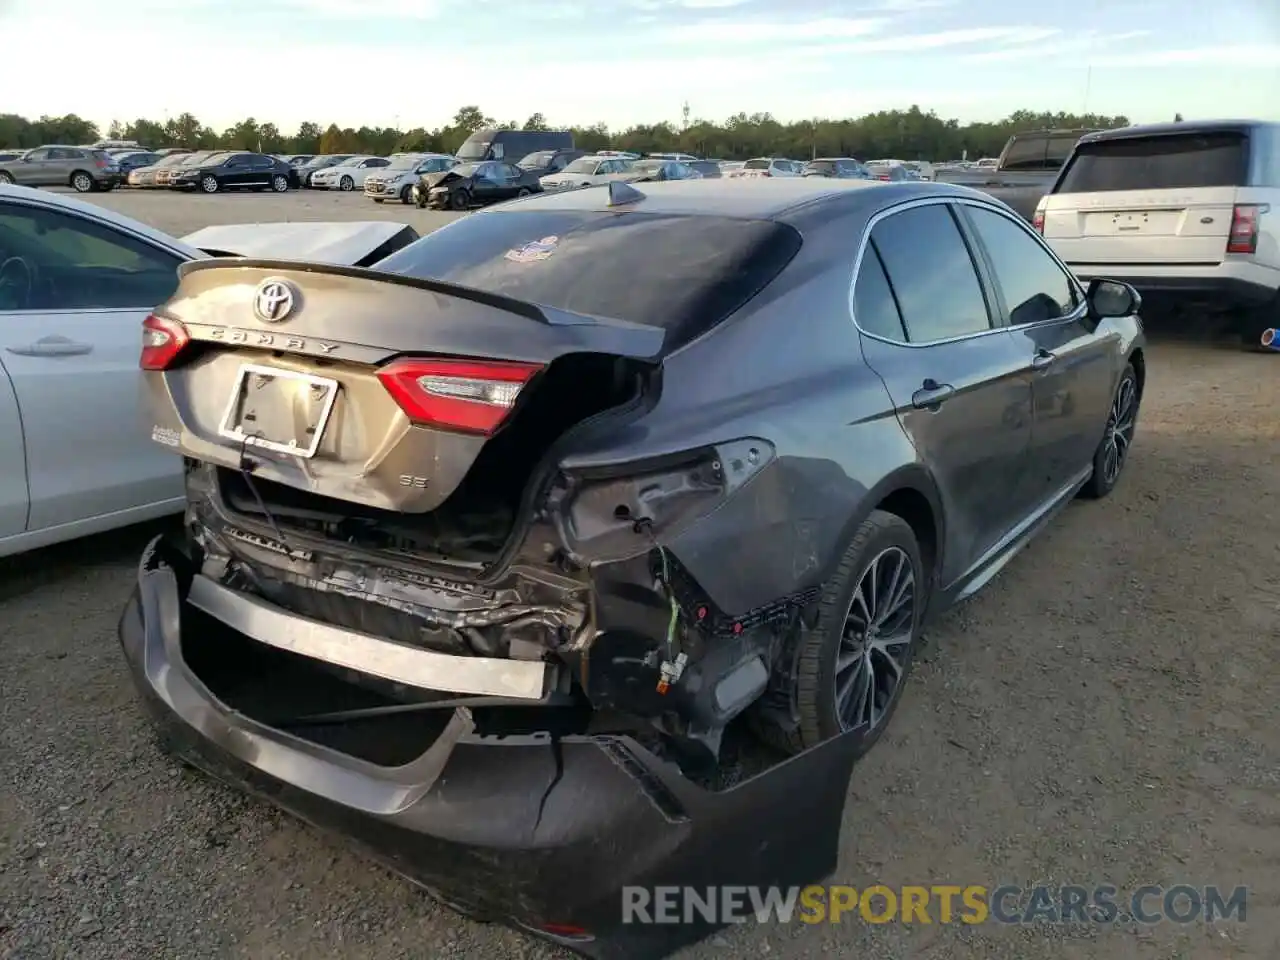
(537, 833)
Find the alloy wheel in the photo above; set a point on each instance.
(209, 185)
(347, 184)
(1120, 424)
(875, 641)
(82, 183)
(280, 184)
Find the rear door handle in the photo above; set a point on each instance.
(52, 347)
(932, 395)
(1043, 360)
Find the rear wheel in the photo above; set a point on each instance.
(346, 184)
(851, 668)
(1113, 452)
(81, 182)
(523, 192)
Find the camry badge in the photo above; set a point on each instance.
(274, 301)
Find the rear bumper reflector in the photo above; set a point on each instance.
(424, 669)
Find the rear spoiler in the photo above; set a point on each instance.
(638, 340)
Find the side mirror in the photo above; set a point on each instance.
(1112, 298)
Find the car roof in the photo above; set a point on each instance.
(1181, 126)
(745, 199)
(69, 204)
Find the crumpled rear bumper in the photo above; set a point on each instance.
(521, 830)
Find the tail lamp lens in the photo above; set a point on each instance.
(467, 396)
(162, 341)
(1243, 237)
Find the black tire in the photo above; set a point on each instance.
(815, 708)
(406, 195)
(280, 183)
(1103, 480)
(346, 184)
(82, 182)
(6, 179)
(523, 192)
(209, 184)
(460, 200)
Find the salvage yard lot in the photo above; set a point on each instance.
(1105, 712)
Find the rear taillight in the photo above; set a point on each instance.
(162, 340)
(1037, 222)
(1243, 237)
(470, 396)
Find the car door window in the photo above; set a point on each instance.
(42, 154)
(77, 264)
(1035, 288)
(932, 274)
(510, 172)
(379, 162)
(874, 308)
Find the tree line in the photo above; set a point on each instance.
(911, 134)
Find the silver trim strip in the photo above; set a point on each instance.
(1079, 312)
(424, 669)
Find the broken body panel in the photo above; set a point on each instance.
(348, 512)
(541, 832)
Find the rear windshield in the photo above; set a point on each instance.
(682, 273)
(1158, 163)
(757, 164)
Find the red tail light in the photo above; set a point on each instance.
(470, 396)
(1037, 222)
(1244, 228)
(162, 340)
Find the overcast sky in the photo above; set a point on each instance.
(414, 62)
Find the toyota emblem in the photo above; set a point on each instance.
(273, 301)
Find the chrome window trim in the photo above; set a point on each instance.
(876, 218)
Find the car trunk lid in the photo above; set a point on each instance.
(363, 387)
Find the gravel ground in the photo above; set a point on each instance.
(1104, 712)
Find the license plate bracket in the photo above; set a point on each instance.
(279, 410)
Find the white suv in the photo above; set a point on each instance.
(1188, 213)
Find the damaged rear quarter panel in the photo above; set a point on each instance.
(802, 387)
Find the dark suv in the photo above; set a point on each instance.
(239, 171)
(84, 169)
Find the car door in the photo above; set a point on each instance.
(1073, 361)
(64, 161)
(33, 169)
(956, 378)
(236, 170)
(487, 185)
(70, 349)
(14, 498)
(261, 169)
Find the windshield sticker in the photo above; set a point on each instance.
(532, 252)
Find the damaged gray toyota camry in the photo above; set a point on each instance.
(507, 557)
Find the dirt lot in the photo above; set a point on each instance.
(1105, 712)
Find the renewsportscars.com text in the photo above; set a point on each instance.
(936, 903)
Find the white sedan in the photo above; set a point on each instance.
(77, 454)
(348, 175)
(587, 172)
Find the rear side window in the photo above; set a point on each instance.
(874, 307)
(932, 274)
(1158, 163)
(685, 274)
